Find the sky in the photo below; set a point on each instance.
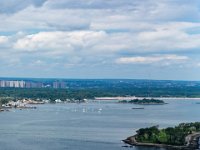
(130, 39)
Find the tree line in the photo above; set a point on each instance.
(90, 93)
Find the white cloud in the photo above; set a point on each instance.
(3, 39)
(60, 43)
(91, 44)
(151, 59)
(167, 40)
(97, 32)
(13, 6)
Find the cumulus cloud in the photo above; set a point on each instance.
(89, 4)
(55, 41)
(12, 6)
(147, 9)
(3, 39)
(151, 59)
(143, 41)
(70, 33)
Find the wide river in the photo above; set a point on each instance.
(91, 126)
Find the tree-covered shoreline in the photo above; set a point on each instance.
(91, 92)
(144, 101)
(170, 136)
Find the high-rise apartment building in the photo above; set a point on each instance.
(16, 84)
(59, 84)
(30, 84)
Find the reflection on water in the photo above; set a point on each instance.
(87, 126)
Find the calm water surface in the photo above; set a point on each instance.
(91, 126)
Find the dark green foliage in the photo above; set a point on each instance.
(171, 136)
(146, 101)
(143, 101)
(5, 100)
(45, 93)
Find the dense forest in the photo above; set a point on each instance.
(170, 135)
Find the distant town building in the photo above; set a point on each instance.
(59, 84)
(2, 83)
(31, 84)
(27, 84)
(16, 84)
(56, 85)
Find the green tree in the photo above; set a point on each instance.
(162, 137)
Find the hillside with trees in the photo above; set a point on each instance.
(170, 136)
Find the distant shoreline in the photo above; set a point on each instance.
(133, 97)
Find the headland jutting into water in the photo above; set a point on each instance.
(185, 136)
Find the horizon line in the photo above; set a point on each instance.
(61, 78)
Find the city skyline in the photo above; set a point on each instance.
(100, 39)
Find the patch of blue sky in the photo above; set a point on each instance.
(7, 33)
(195, 30)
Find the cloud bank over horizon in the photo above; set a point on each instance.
(100, 39)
